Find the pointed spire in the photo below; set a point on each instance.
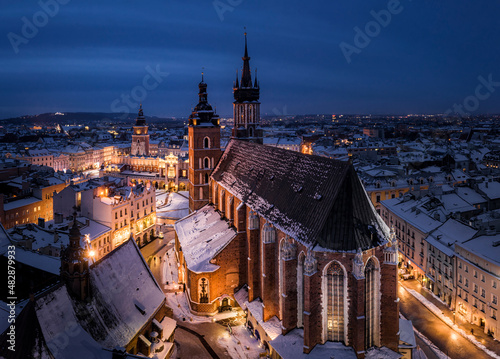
(236, 84)
(246, 50)
(256, 83)
(140, 120)
(246, 78)
(202, 76)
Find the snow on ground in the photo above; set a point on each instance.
(169, 270)
(240, 344)
(176, 299)
(449, 322)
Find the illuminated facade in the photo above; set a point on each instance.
(140, 137)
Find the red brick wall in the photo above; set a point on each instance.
(197, 151)
(289, 310)
(389, 307)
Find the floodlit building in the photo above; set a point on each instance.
(292, 238)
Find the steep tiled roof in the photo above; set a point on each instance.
(315, 200)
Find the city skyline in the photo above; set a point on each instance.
(386, 57)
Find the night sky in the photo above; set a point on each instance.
(86, 54)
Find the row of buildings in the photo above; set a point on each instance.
(448, 238)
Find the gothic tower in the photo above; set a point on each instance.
(140, 137)
(246, 105)
(204, 148)
(74, 265)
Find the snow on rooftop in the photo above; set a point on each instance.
(490, 189)
(37, 260)
(419, 220)
(450, 232)
(20, 203)
(62, 332)
(381, 353)
(119, 281)
(202, 235)
(483, 247)
(290, 346)
(94, 229)
(406, 333)
(272, 327)
(454, 203)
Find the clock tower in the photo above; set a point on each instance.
(140, 137)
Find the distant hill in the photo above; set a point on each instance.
(87, 118)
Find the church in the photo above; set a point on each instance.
(291, 238)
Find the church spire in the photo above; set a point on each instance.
(246, 78)
(140, 120)
(236, 84)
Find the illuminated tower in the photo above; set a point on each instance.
(140, 137)
(246, 105)
(204, 148)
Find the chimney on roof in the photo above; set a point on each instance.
(58, 218)
(41, 222)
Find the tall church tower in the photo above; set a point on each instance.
(246, 105)
(204, 148)
(140, 137)
(74, 265)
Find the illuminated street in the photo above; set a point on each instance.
(449, 342)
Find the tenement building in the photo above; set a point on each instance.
(292, 238)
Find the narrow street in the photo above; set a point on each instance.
(446, 339)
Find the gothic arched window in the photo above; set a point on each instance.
(372, 303)
(206, 142)
(335, 287)
(206, 162)
(268, 233)
(203, 290)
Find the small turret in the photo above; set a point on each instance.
(74, 264)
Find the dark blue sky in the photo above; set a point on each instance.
(427, 58)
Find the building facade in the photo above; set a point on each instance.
(204, 148)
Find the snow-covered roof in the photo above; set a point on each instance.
(453, 203)
(272, 327)
(469, 195)
(484, 246)
(448, 233)
(381, 353)
(121, 282)
(57, 320)
(202, 235)
(403, 210)
(315, 200)
(20, 203)
(490, 189)
(406, 333)
(290, 346)
(37, 260)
